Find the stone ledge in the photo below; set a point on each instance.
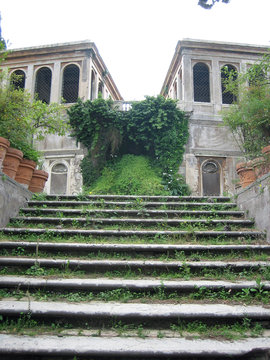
(255, 201)
(13, 196)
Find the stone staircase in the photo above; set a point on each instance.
(133, 277)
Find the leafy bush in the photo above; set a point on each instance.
(154, 127)
(130, 175)
(22, 119)
(249, 117)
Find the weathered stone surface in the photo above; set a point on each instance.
(13, 196)
(53, 345)
(255, 201)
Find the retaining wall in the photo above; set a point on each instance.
(255, 201)
(13, 196)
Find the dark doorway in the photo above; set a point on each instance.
(211, 178)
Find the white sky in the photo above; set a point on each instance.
(136, 38)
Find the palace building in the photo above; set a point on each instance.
(62, 73)
(66, 72)
(194, 78)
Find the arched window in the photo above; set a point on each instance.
(18, 79)
(93, 85)
(201, 82)
(59, 174)
(70, 86)
(43, 84)
(100, 88)
(227, 96)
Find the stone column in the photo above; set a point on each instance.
(216, 86)
(56, 88)
(30, 81)
(187, 83)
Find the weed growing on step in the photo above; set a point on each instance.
(252, 295)
(234, 331)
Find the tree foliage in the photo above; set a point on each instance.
(23, 119)
(206, 5)
(249, 116)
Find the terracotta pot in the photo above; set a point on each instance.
(260, 166)
(4, 145)
(266, 150)
(25, 172)
(38, 181)
(246, 174)
(266, 155)
(12, 161)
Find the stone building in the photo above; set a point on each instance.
(194, 78)
(62, 73)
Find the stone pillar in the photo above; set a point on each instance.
(216, 86)
(187, 83)
(30, 81)
(56, 83)
(179, 85)
(85, 83)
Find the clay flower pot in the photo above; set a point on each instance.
(4, 145)
(266, 150)
(12, 161)
(38, 181)
(260, 167)
(25, 172)
(246, 173)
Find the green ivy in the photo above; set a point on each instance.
(154, 127)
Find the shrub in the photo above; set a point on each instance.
(130, 175)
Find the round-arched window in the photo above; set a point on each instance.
(43, 84)
(227, 96)
(70, 86)
(201, 82)
(18, 79)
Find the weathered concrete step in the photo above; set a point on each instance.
(131, 221)
(101, 284)
(127, 348)
(133, 248)
(131, 312)
(136, 213)
(108, 265)
(120, 233)
(140, 205)
(142, 197)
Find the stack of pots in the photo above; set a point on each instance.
(250, 171)
(20, 169)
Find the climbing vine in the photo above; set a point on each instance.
(154, 127)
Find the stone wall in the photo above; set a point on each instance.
(13, 196)
(255, 201)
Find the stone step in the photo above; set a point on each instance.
(147, 285)
(150, 313)
(140, 197)
(133, 265)
(134, 213)
(132, 348)
(167, 249)
(130, 233)
(83, 221)
(140, 205)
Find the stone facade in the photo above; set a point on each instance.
(194, 78)
(53, 73)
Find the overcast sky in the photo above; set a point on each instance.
(136, 38)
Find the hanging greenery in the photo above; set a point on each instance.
(154, 127)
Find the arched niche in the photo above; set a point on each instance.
(59, 178)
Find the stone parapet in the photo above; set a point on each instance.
(13, 196)
(255, 201)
